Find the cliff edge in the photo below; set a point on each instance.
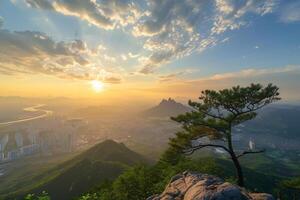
(196, 186)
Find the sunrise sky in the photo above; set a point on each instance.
(149, 49)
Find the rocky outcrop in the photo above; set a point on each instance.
(195, 186)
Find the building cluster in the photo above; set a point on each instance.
(46, 136)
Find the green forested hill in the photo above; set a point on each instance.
(127, 180)
(80, 178)
(112, 151)
(105, 161)
(140, 182)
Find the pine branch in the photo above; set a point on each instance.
(250, 152)
(198, 108)
(213, 116)
(200, 146)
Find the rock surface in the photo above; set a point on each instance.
(195, 186)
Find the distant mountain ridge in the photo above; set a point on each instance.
(167, 108)
(276, 126)
(281, 120)
(104, 161)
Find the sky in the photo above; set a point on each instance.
(147, 49)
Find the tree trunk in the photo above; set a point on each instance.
(238, 169)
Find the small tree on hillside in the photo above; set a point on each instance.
(215, 115)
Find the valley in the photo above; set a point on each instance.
(148, 135)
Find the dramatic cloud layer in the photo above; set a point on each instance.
(106, 14)
(178, 28)
(168, 29)
(35, 52)
(171, 29)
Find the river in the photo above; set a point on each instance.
(35, 108)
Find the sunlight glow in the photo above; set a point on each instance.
(97, 85)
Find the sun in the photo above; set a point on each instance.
(97, 85)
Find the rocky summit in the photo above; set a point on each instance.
(196, 186)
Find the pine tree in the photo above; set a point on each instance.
(215, 115)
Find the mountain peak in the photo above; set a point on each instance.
(104, 161)
(110, 150)
(167, 108)
(168, 101)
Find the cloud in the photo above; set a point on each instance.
(171, 77)
(290, 13)
(171, 29)
(106, 14)
(112, 79)
(124, 57)
(285, 77)
(131, 55)
(155, 60)
(29, 49)
(29, 52)
(242, 74)
(247, 73)
(43, 4)
(174, 29)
